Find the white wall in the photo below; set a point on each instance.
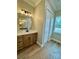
(39, 15)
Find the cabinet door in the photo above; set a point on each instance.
(31, 39)
(34, 38)
(26, 40)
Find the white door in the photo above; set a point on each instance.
(48, 26)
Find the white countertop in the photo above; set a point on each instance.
(24, 32)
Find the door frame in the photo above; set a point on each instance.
(45, 23)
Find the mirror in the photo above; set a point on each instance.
(24, 22)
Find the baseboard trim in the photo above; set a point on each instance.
(39, 44)
(56, 40)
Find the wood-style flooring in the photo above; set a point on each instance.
(51, 50)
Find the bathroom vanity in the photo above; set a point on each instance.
(26, 39)
(25, 35)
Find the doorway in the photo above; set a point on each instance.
(48, 26)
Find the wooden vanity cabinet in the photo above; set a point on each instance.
(24, 41)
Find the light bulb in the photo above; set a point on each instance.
(30, 15)
(22, 12)
(26, 14)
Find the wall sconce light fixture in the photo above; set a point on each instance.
(27, 13)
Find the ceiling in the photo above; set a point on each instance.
(56, 4)
(33, 2)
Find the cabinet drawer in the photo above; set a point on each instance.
(19, 48)
(19, 45)
(19, 39)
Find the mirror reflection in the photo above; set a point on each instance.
(24, 22)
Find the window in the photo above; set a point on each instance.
(58, 24)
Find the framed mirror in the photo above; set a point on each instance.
(24, 22)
